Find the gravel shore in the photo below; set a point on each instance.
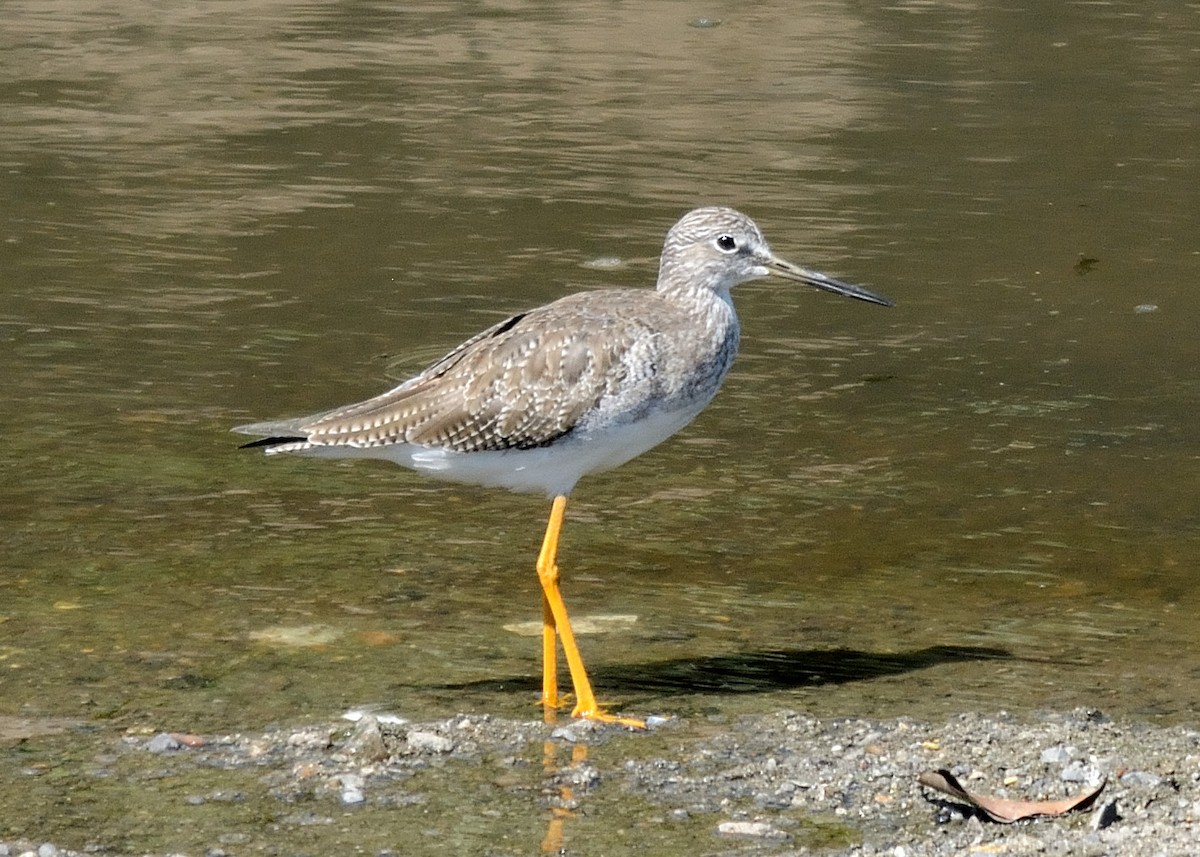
(778, 784)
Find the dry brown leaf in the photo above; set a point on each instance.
(187, 739)
(1005, 810)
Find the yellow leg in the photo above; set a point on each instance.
(555, 621)
(549, 661)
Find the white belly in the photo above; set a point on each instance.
(552, 470)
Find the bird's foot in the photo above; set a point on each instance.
(598, 715)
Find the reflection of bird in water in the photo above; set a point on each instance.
(577, 386)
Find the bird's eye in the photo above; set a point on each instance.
(726, 243)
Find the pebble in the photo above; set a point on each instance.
(745, 828)
(577, 731)
(1080, 772)
(366, 742)
(428, 742)
(163, 743)
(1143, 779)
(1058, 755)
(310, 739)
(352, 789)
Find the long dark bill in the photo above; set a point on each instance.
(820, 281)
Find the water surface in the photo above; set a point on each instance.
(983, 498)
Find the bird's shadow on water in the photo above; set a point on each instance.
(751, 672)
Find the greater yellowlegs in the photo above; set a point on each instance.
(577, 386)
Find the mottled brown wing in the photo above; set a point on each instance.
(519, 385)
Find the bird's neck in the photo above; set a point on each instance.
(700, 300)
(713, 320)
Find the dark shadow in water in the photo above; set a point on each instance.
(751, 672)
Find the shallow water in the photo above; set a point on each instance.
(984, 497)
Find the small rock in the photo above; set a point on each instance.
(1058, 755)
(367, 741)
(352, 789)
(161, 743)
(576, 731)
(746, 828)
(47, 849)
(580, 776)
(227, 796)
(310, 739)
(428, 742)
(1078, 772)
(1145, 779)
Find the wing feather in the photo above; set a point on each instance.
(521, 384)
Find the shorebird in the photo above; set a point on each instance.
(580, 385)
